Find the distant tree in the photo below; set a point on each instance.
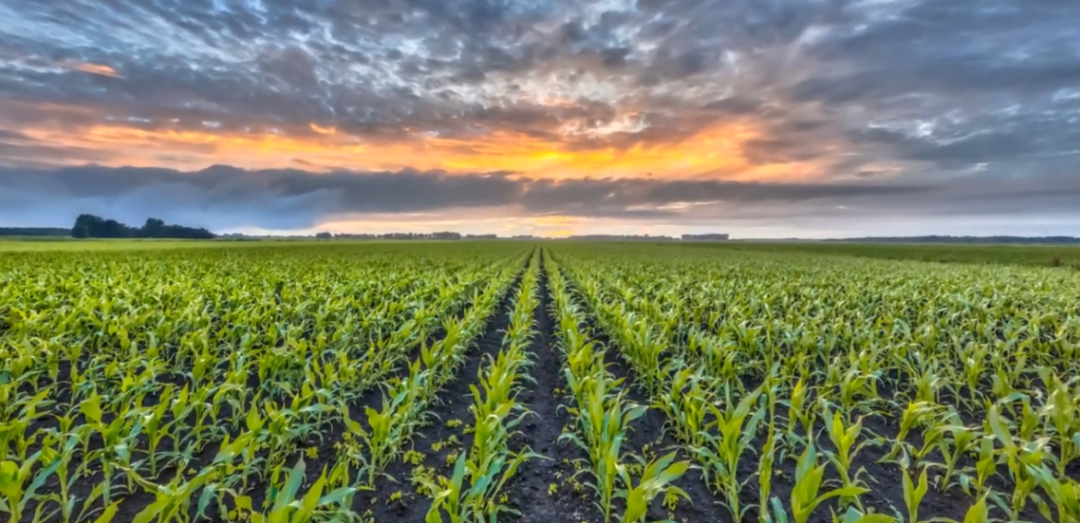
(90, 226)
(324, 236)
(153, 228)
(98, 227)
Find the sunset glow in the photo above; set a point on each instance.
(793, 114)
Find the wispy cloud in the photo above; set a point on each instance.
(921, 93)
(98, 69)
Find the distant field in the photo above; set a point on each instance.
(23, 244)
(67, 244)
(1028, 255)
(1031, 255)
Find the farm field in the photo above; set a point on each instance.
(1034, 255)
(535, 382)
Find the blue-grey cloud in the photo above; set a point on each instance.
(223, 197)
(935, 94)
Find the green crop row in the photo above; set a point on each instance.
(127, 373)
(604, 417)
(968, 376)
(477, 489)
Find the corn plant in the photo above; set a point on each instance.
(1020, 458)
(656, 478)
(1064, 493)
(953, 440)
(846, 442)
(914, 494)
(807, 494)
(731, 435)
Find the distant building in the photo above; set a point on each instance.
(716, 237)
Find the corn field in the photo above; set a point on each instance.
(537, 382)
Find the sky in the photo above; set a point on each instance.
(761, 118)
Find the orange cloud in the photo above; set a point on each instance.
(99, 69)
(715, 151)
(323, 130)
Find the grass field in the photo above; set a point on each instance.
(1033, 255)
(71, 245)
(545, 382)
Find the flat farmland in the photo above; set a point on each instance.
(288, 382)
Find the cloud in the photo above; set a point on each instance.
(223, 197)
(939, 94)
(98, 69)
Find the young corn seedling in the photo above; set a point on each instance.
(953, 441)
(483, 499)
(657, 478)
(603, 423)
(114, 450)
(853, 515)
(686, 406)
(63, 450)
(1063, 492)
(1062, 408)
(387, 429)
(985, 467)
(765, 473)
(452, 498)
(806, 496)
(846, 441)
(916, 414)
(735, 429)
(13, 433)
(155, 432)
(287, 506)
(914, 494)
(15, 493)
(1021, 460)
(173, 500)
(801, 414)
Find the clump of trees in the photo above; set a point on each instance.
(90, 226)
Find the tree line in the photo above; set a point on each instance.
(90, 226)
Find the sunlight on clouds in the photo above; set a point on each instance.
(716, 152)
(99, 69)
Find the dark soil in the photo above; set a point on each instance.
(530, 489)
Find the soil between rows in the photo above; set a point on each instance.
(542, 430)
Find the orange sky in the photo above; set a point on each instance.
(715, 151)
